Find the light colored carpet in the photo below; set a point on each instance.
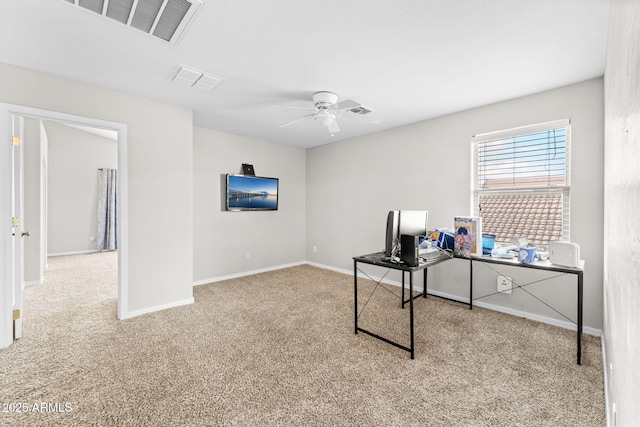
(279, 349)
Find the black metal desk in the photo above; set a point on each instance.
(431, 259)
(538, 265)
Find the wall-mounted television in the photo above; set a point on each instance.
(251, 193)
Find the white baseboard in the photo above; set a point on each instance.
(338, 270)
(245, 273)
(89, 251)
(34, 282)
(531, 316)
(605, 371)
(148, 310)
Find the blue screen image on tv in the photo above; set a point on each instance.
(252, 193)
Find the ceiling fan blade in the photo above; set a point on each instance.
(345, 105)
(295, 107)
(333, 126)
(295, 120)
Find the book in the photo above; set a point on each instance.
(467, 236)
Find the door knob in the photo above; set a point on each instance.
(26, 233)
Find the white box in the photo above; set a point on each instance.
(566, 254)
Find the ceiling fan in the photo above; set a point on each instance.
(327, 109)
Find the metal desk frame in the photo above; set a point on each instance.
(437, 258)
(376, 259)
(538, 265)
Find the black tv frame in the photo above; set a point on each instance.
(251, 194)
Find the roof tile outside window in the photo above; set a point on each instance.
(542, 221)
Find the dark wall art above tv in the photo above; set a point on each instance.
(251, 193)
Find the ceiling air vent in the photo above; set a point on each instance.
(360, 110)
(165, 19)
(199, 80)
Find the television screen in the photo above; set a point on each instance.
(251, 193)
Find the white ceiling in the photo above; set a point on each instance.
(407, 60)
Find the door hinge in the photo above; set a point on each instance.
(15, 141)
(16, 314)
(15, 221)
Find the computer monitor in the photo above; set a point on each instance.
(413, 223)
(403, 222)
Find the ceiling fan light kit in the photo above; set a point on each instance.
(324, 118)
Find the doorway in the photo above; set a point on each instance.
(8, 288)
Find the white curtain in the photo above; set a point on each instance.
(107, 209)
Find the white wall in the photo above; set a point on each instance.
(222, 239)
(74, 159)
(351, 186)
(159, 157)
(621, 334)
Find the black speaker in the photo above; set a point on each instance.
(409, 247)
(248, 170)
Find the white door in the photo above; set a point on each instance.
(6, 241)
(19, 232)
(10, 230)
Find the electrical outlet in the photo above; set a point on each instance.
(504, 284)
(315, 249)
(248, 255)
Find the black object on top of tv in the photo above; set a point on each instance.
(247, 170)
(251, 193)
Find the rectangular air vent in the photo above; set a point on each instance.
(165, 19)
(199, 80)
(360, 110)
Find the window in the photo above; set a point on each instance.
(521, 182)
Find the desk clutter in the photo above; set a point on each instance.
(565, 254)
(467, 239)
(408, 240)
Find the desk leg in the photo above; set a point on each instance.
(402, 288)
(424, 282)
(410, 309)
(355, 294)
(580, 298)
(470, 284)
